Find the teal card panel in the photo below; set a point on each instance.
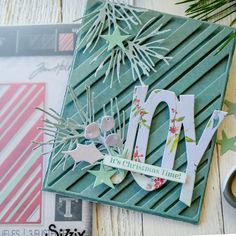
(195, 69)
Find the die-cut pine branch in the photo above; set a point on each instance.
(110, 13)
(141, 51)
(66, 133)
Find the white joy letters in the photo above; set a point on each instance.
(181, 115)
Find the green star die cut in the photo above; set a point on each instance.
(231, 107)
(103, 176)
(115, 39)
(227, 144)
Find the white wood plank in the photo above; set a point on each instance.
(30, 11)
(114, 221)
(72, 10)
(228, 160)
(167, 6)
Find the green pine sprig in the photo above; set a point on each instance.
(214, 11)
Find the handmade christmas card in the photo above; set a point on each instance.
(141, 110)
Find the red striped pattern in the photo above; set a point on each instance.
(8, 94)
(27, 189)
(19, 117)
(66, 42)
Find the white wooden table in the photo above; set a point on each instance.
(217, 216)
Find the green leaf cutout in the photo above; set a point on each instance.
(189, 140)
(209, 124)
(175, 143)
(170, 140)
(136, 113)
(145, 125)
(180, 119)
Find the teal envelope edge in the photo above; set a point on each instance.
(195, 69)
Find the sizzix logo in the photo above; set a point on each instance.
(52, 229)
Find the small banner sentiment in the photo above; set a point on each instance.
(145, 169)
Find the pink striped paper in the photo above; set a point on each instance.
(66, 42)
(20, 167)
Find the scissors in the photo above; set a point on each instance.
(227, 188)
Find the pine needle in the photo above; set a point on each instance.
(214, 11)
